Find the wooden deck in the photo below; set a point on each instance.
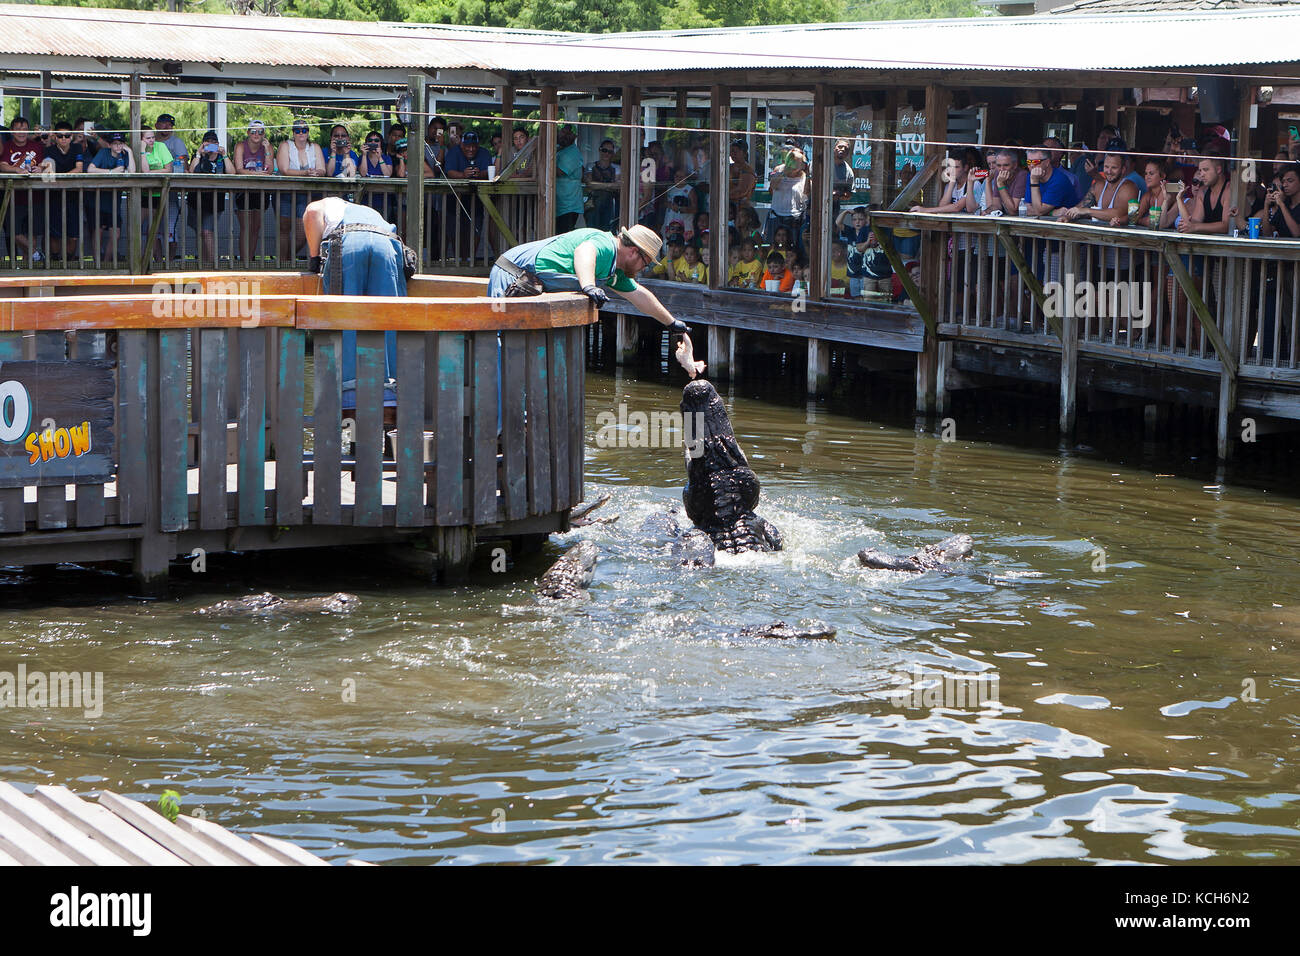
(201, 412)
(55, 827)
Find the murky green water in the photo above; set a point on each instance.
(1142, 631)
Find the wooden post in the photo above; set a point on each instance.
(1069, 346)
(417, 87)
(507, 94)
(943, 364)
(721, 345)
(1112, 109)
(546, 163)
(719, 184)
(882, 152)
(819, 367)
(627, 339)
(934, 253)
(630, 155)
(823, 179)
(47, 98)
(1246, 98)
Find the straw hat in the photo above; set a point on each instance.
(644, 238)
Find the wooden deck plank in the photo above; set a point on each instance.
(212, 429)
(173, 429)
(409, 450)
(369, 429)
(484, 423)
(27, 848)
(171, 837)
(285, 852)
(327, 416)
(577, 413)
(223, 841)
(538, 444)
(54, 829)
(99, 824)
(513, 385)
(251, 402)
(557, 348)
(132, 421)
(450, 471)
(289, 427)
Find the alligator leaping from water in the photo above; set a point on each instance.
(721, 489)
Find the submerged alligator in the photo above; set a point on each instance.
(812, 631)
(268, 603)
(930, 558)
(694, 549)
(721, 489)
(569, 577)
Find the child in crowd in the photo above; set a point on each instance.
(798, 269)
(777, 272)
(666, 268)
(781, 239)
(746, 272)
(747, 225)
(839, 269)
(690, 268)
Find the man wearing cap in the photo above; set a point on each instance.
(585, 260)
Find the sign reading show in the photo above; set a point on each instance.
(56, 423)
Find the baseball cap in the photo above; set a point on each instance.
(469, 137)
(117, 138)
(400, 144)
(166, 118)
(256, 124)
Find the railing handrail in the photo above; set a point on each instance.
(272, 182)
(551, 310)
(1135, 237)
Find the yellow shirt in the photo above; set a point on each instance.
(664, 268)
(839, 275)
(691, 273)
(745, 273)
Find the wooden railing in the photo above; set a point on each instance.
(1202, 302)
(235, 418)
(145, 222)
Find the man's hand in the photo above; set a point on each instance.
(596, 294)
(1036, 173)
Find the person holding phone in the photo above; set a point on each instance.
(376, 163)
(342, 161)
(208, 204)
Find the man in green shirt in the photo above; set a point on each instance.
(585, 260)
(568, 180)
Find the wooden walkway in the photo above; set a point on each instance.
(55, 827)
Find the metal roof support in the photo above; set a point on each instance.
(415, 167)
(507, 96)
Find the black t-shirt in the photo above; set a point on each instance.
(1279, 224)
(64, 162)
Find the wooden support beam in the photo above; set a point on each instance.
(1184, 280)
(134, 217)
(913, 292)
(937, 100)
(418, 88)
(911, 191)
(719, 181)
(546, 136)
(882, 151)
(819, 367)
(1029, 279)
(627, 339)
(720, 345)
(630, 155)
(159, 212)
(1245, 98)
(823, 178)
(507, 236)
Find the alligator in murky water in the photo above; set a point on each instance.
(779, 630)
(721, 489)
(932, 557)
(267, 603)
(694, 549)
(568, 577)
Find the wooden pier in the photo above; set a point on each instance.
(55, 827)
(215, 418)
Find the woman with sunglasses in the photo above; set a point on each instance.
(297, 156)
(252, 158)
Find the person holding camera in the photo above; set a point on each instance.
(789, 184)
(207, 204)
(342, 161)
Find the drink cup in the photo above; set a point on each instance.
(772, 285)
(1253, 223)
(1133, 205)
(492, 172)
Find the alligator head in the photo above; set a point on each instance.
(721, 489)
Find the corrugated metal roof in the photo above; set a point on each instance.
(1160, 6)
(1040, 43)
